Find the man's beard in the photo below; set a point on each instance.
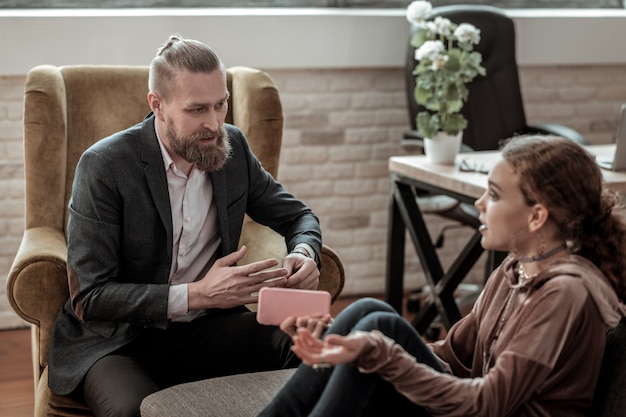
(205, 158)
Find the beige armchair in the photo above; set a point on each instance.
(66, 109)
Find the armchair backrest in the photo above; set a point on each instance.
(494, 109)
(67, 109)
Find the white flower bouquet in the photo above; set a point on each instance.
(446, 62)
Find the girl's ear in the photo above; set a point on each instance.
(538, 217)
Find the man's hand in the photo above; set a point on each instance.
(302, 272)
(226, 286)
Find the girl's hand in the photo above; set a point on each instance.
(316, 324)
(333, 350)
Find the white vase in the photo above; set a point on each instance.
(443, 148)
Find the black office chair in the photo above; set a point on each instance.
(494, 109)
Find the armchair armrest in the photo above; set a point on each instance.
(559, 130)
(37, 286)
(332, 273)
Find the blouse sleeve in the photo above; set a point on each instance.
(457, 349)
(442, 394)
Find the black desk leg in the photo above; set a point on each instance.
(405, 215)
(444, 289)
(394, 280)
(427, 254)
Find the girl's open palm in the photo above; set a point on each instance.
(333, 350)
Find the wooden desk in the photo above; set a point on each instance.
(411, 173)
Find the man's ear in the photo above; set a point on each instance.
(155, 103)
(538, 217)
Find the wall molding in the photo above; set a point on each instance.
(285, 38)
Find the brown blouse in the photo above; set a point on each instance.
(546, 359)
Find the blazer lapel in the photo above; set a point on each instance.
(155, 176)
(218, 179)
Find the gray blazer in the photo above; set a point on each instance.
(120, 241)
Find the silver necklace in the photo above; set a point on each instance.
(522, 276)
(506, 313)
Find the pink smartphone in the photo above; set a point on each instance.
(276, 304)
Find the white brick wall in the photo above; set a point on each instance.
(11, 186)
(341, 126)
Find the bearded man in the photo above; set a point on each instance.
(155, 217)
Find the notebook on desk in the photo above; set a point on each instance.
(618, 163)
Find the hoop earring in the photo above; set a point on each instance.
(542, 244)
(513, 245)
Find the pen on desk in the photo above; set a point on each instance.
(474, 167)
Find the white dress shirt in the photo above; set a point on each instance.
(196, 235)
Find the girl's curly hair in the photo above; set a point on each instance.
(565, 177)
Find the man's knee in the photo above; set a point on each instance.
(116, 385)
(110, 407)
